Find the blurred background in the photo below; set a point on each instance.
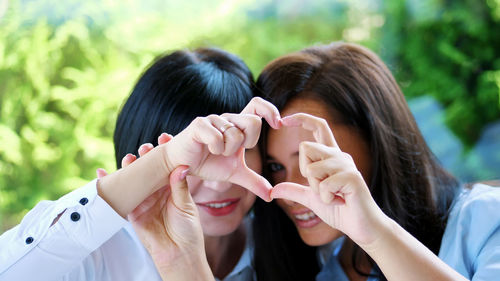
(67, 66)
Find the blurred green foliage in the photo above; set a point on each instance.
(67, 66)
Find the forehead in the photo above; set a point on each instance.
(289, 138)
(309, 106)
(313, 107)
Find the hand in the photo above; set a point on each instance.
(167, 223)
(214, 146)
(337, 192)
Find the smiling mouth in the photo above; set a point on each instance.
(305, 216)
(218, 205)
(219, 208)
(307, 219)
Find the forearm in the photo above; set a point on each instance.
(126, 188)
(401, 256)
(51, 250)
(189, 268)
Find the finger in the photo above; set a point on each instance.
(164, 138)
(340, 185)
(312, 156)
(251, 180)
(232, 135)
(101, 173)
(149, 202)
(128, 159)
(204, 132)
(294, 192)
(249, 124)
(179, 190)
(145, 148)
(264, 109)
(325, 168)
(308, 154)
(319, 127)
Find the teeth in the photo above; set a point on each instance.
(305, 216)
(218, 205)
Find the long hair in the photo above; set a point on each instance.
(177, 88)
(407, 182)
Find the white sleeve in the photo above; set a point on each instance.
(35, 250)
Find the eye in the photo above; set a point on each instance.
(277, 172)
(274, 167)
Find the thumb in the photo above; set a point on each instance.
(250, 180)
(179, 190)
(101, 173)
(294, 192)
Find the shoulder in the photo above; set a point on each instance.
(473, 226)
(476, 210)
(480, 201)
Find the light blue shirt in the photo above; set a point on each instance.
(471, 241)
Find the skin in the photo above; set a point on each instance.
(210, 191)
(224, 236)
(213, 148)
(283, 149)
(338, 194)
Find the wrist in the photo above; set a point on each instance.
(184, 267)
(383, 234)
(127, 187)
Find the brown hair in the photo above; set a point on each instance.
(407, 182)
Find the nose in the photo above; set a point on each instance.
(219, 186)
(296, 177)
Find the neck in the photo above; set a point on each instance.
(362, 262)
(224, 252)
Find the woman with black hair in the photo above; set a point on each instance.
(358, 194)
(201, 213)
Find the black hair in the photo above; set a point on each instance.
(406, 181)
(177, 88)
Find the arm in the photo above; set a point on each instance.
(36, 250)
(402, 257)
(120, 189)
(339, 195)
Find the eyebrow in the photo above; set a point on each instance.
(270, 158)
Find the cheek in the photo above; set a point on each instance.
(253, 160)
(283, 204)
(249, 199)
(193, 184)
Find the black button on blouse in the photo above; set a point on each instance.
(75, 216)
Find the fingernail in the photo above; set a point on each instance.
(184, 174)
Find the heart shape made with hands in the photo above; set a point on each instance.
(323, 137)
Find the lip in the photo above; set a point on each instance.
(223, 211)
(304, 223)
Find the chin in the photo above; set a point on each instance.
(319, 235)
(220, 226)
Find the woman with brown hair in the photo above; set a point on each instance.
(359, 193)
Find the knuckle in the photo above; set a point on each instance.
(347, 156)
(199, 120)
(255, 122)
(257, 100)
(238, 135)
(309, 170)
(323, 122)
